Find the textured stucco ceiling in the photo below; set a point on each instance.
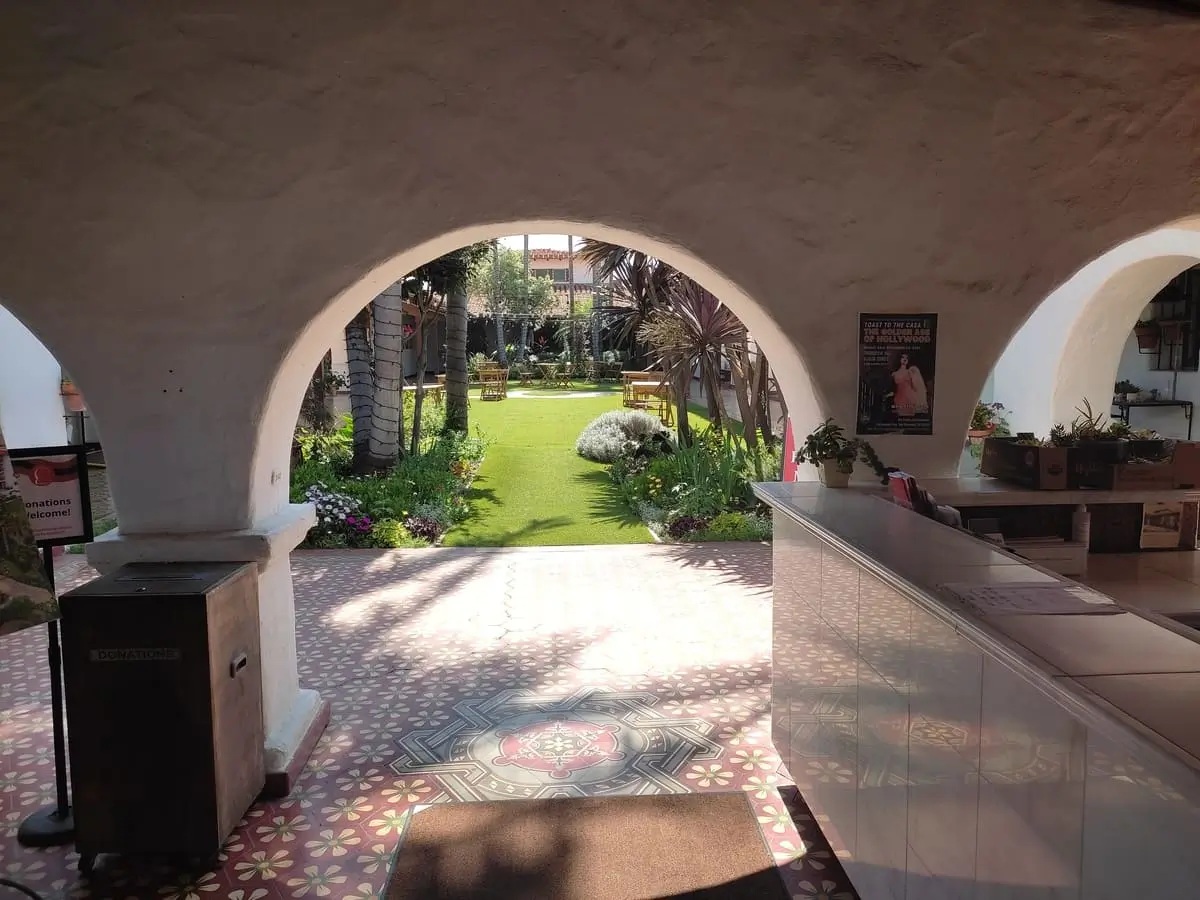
(206, 176)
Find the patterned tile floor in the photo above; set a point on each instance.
(465, 674)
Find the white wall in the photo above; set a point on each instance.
(31, 406)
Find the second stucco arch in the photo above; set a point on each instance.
(1069, 348)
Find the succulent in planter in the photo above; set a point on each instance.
(1118, 430)
(1124, 390)
(828, 448)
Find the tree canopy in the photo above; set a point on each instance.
(516, 297)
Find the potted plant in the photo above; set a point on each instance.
(988, 419)
(1146, 332)
(71, 395)
(828, 448)
(1146, 443)
(1124, 391)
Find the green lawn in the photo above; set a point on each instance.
(533, 488)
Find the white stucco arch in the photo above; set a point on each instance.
(1069, 348)
(287, 389)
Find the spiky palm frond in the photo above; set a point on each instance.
(692, 323)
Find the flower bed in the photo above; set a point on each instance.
(412, 505)
(683, 494)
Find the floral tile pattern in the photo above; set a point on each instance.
(464, 674)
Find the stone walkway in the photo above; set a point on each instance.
(472, 674)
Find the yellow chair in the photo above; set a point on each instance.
(495, 384)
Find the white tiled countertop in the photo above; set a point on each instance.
(1112, 670)
(994, 492)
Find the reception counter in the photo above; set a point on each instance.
(950, 754)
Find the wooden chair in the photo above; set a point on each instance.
(495, 384)
(628, 378)
(656, 399)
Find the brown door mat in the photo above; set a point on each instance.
(595, 848)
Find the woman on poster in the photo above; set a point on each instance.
(910, 397)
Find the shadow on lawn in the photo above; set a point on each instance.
(511, 538)
(606, 504)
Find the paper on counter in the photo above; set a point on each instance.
(1031, 598)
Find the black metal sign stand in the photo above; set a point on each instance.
(54, 826)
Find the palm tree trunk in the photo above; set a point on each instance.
(456, 359)
(501, 353)
(683, 427)
(361, 384)
(711, 379)
(524, 339)
(744, 389)
(387, 416)
(762, 401)
(419, 393)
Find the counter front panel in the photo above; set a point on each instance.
(942, 769)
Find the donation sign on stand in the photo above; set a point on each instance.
(26, 597)
(44, 503)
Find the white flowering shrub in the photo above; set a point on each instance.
(617, 433)
(339, 521)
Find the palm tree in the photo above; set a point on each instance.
(691, 330)
(497, 303)
(637, 282)
(430, 287)
(361, 383)
(456, 358)
(386, 441)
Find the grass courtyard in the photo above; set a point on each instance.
(533, 488)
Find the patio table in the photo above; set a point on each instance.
(657, 393)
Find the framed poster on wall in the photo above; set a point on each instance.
(897, 367)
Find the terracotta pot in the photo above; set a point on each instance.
(976, 434)
(1147, 338)
(831, 476)
(72, 397)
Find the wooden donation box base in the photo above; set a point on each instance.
(164, 707)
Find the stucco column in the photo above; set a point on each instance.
(294, 718)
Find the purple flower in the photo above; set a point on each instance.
(350, 520)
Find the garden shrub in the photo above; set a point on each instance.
(728, 526)
(685, 526)
(424, 492)
(387, 533)
(699, 492)
(616, 433)
(426, 529)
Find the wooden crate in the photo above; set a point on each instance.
(1040, 468)
(164, 707)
